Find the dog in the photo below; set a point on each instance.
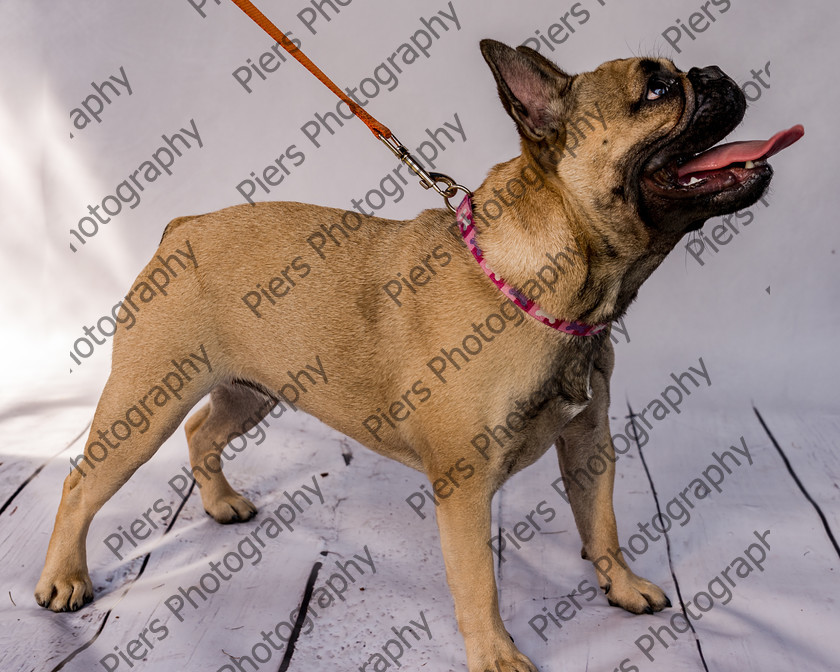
(617, 165)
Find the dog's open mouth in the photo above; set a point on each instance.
(722, 167)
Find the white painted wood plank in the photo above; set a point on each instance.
(31, 441)
(811, 443)
(365, 507)
(34, 638)
(782, 617)
(549, 568)
(258, 597)
(409, 577)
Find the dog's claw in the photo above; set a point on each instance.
(68, 593)
(231, 509)
(667, 602)
(636, 595)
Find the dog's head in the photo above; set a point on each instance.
(624, 139)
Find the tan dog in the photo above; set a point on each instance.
(286, 287)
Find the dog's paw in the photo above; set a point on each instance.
(64, 593)
(518, 664)
(232, 508)
(636, 595)
(514, 663)
(504, 658)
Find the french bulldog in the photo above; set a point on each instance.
(617, 165)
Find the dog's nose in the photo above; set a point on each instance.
(707, 75)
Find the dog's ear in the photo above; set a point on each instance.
(531, 87)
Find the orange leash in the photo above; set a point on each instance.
(428, 180)
(378, 129)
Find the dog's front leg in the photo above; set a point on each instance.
(464, 524)
(586, 441)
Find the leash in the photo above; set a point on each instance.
(428, 180)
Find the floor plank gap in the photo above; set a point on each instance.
(301, 617)
(635, 438)
(20, 488)
(798, 482)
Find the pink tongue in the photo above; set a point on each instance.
(739, 152)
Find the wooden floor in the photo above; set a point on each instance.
(779, 617)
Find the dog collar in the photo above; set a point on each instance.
(464, 217)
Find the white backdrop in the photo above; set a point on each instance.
(762, 312)
(180, 67)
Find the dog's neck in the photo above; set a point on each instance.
(552, 246)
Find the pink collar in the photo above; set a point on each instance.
(465, 222)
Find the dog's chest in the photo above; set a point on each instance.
(557, 395)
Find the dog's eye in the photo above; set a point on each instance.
(657, 88)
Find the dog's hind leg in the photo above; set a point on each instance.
(131, 422)
(234, 409)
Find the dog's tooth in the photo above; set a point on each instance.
(749, 165)
(693, 180)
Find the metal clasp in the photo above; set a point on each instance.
(428, 180)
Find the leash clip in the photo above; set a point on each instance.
(428, 180)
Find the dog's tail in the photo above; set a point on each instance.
(174, 224)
